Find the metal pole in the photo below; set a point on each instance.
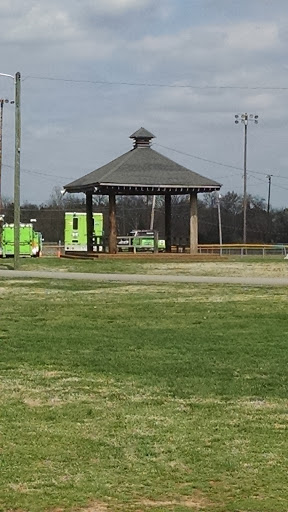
(245, 182)
(219, 224)
(1, 128)
(244, 118)
(17, 172)
(269, 193)
(269, 176)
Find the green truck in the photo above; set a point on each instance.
(140, 240)
(143, 240)
(75, 235)
(30, 241)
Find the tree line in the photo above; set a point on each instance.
(134, 212)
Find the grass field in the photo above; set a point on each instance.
(142, 398)
(173, 264)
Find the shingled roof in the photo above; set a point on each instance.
(142, 170)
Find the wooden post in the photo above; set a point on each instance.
(17, 172)
(168, 222)
(156, 239)
(193, 224)
(1, 232)
(89, 221)
(112, 225)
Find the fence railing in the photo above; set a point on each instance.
(244, 249)
(126, 245)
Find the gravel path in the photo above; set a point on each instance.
(144, 278)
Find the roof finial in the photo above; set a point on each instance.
(142, 138)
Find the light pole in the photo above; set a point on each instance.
(245, 118)
(2, 101)
(218, 197)
(269, 176)
(17, 85)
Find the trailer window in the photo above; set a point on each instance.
(75, 223)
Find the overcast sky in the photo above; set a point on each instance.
(94, 71)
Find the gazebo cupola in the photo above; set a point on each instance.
(142, 138)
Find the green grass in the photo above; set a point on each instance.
(142, 398)
(173, 264)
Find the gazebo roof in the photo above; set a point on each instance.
(142, 170)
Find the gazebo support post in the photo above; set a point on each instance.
(89, 221)
(193, 224)
(112, 225)
(168, 223)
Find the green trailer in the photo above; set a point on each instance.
(75, 236)
(143, 240)
(30, 241)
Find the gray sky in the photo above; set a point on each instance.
(82, 61)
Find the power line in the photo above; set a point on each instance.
(147, 84)
(198, 157)
(216, 162)
(40, 173)
(52, 176)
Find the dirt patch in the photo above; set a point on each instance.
(4, 290)
(197, 501)
(21, 488)
(33, 402)
(259, 404)
(24, 280)
(94, 507)
(219, 268)
(51, 373)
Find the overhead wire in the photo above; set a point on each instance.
(151, 84)
(40, 173)
(217, 162)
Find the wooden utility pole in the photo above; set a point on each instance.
(1, 131)
(17, 171)
(2, 101)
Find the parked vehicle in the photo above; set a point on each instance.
(143, 240)
(75, 235)
(30, 241)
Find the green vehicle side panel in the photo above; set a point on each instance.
(147, 243)
(26, 240)
(75, 234)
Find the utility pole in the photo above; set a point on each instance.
(2, 101)
(17, 82)
(218, 197)
(1, 130)
(17, 172)
(269, 176)
(245, 118)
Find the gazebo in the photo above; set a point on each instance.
(142, 171)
